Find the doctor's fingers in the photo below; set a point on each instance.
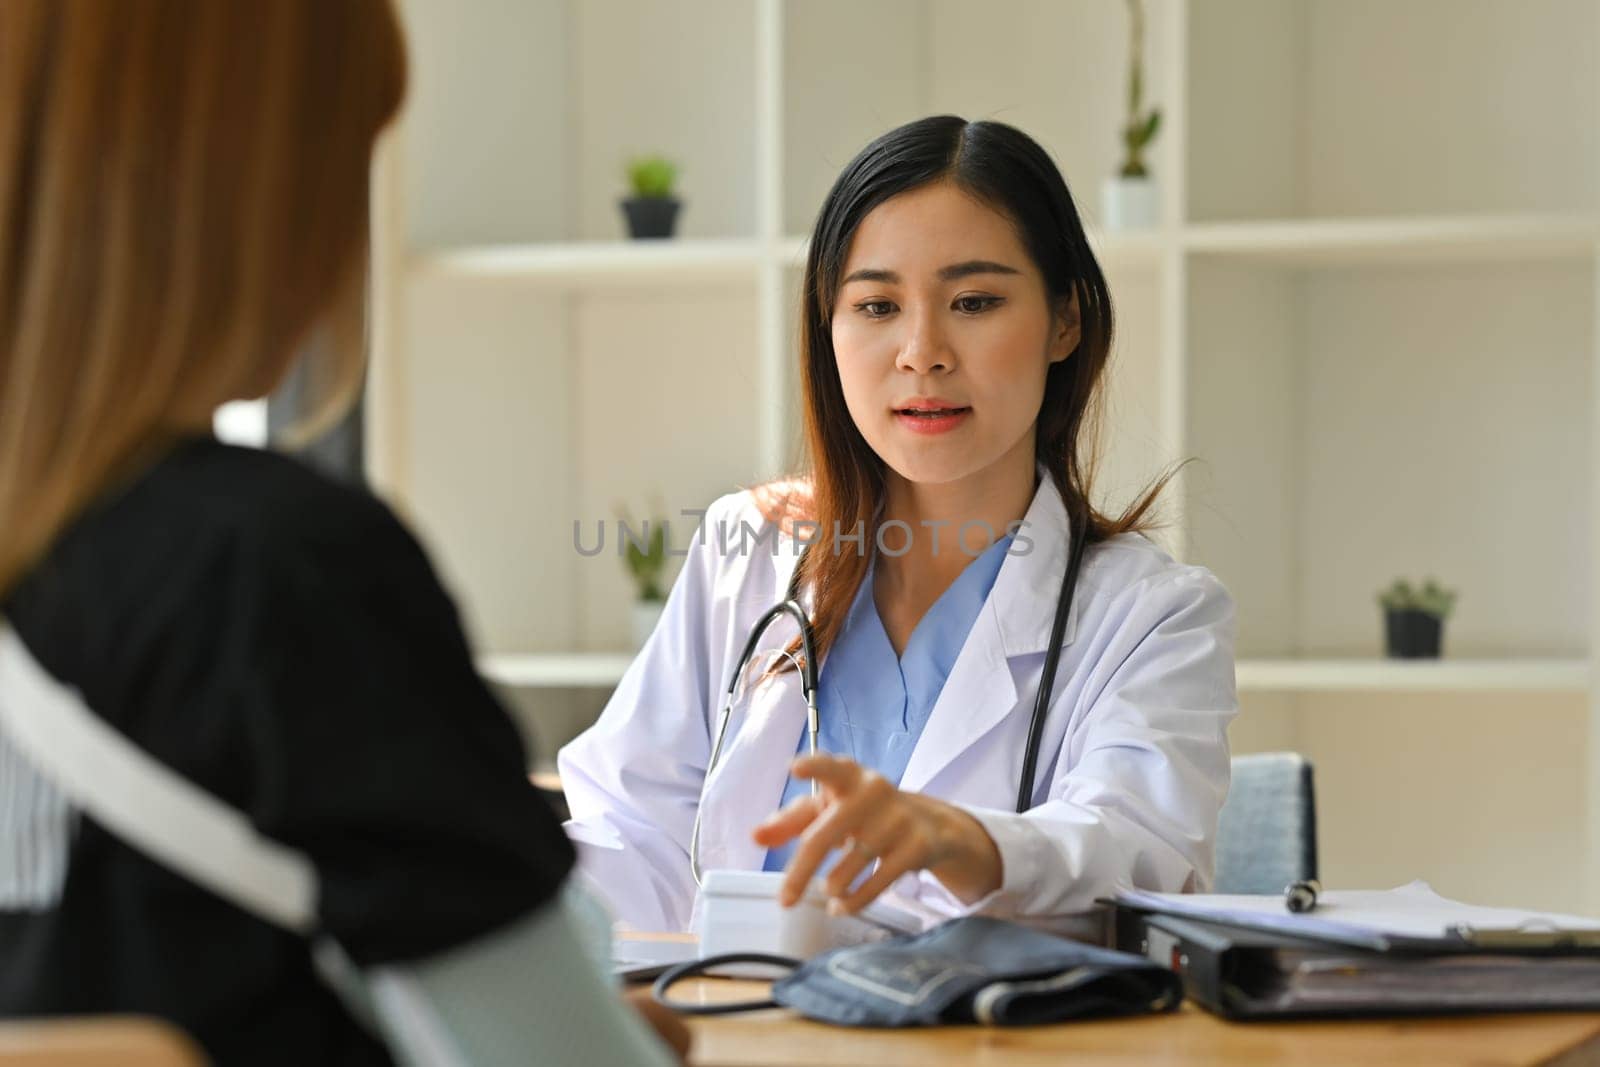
(840, 820)
(835, 773)
(906, 856)
(872, 840)
(781, 825)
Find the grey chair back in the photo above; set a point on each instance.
(1267, 832)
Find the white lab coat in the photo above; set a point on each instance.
(1133, 766)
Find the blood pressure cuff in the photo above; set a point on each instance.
(976, 969)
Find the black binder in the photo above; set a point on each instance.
(1245, 974)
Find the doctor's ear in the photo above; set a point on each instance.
(1066, 329)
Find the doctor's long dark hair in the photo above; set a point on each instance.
(1006, 169)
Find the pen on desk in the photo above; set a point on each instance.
(1302, 895)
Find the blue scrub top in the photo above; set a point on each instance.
(872, 705)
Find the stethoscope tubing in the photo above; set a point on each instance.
(808, 679)
(1047, 678)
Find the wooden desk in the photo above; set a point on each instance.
(1189, 1036)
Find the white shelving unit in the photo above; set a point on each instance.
(1370, 312)
(578, 265)
(1381, 241)
(556, 670)
(1442, 676)
(602, 670)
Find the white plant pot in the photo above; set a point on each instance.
(646, 613)
(1130, 203)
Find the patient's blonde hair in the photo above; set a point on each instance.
(183, 195)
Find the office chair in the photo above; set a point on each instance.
(97, 1041)
(1267, 832)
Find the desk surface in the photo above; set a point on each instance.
(1188, 1036)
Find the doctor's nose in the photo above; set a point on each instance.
(925, 350)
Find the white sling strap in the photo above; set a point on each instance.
(144, 803)
(171, 820)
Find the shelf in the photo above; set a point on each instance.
(1336, 675)
(678, 261)
(603, 670)
(1344, 242)
(1338, 242)
(556, 670)
(1320, 242)
(1133, 250)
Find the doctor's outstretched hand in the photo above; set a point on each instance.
(860, 812)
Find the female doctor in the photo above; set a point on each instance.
(955, 332)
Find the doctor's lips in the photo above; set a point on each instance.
(930, 414)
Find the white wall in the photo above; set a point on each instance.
(529, 408)
(488, 144)
(670, 79)
(1245, 414)
(851, 71)
(663, 407)
(1365, 423)
(1137, 447)
(1406, 109)
(1445, 429)
(522, 115)
(1480, 794)
(1245, 109)
(493, 440)
(854, 70)
(1375, 107)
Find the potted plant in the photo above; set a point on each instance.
(1414, 618)
(647, 565)
(1129, 198)
(652, 210)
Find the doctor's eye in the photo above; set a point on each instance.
(976, 305)
(866, 307)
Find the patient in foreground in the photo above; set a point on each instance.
(183, 200)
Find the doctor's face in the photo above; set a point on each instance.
(943, 333)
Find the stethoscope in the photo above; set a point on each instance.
(807, 668)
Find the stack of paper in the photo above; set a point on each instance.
(1319, 981)
(1366, 952)
(1410, 917)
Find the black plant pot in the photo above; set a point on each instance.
(1413, 634)
(653, 216)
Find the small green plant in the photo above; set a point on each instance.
(647, 563)
(1432, 599)
(1142, 125)
(652, 177)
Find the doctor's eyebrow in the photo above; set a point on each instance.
(953, 272)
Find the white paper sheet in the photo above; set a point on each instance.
(1374, 917)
